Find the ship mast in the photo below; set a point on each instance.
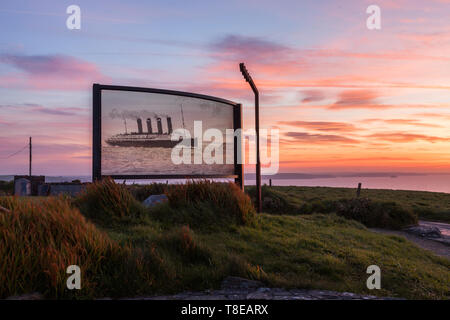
(125, 122)
(182, 115)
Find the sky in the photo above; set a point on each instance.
(345, 98)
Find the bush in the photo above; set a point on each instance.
(376, 214)
(40, 239)
(221, 201)
(107, 202)
(142, 192)
(274, 202)
(6, 187)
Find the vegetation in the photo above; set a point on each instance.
(205, 232)
(39, 240)
(107, 202)
(294, 200)
(6, 187)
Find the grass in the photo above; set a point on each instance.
(107, 202)
(315, 251)
(433, 206)
(193, 242)
(6, 187)
(40, 239)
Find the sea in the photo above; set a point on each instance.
(418, 182)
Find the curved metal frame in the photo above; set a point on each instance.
(97, 133)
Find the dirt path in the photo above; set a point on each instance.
(439, 248)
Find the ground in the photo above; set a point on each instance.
(433, 206)
(322, 252)
(311, 252)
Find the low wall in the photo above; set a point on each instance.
(57, 189)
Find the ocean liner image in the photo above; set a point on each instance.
(149, 139)
(137, 130)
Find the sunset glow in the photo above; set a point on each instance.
(345, 98)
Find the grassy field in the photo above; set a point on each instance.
(314, 251)
(203, 234)
(433, 206)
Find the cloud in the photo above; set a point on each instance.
(264, 56)
(355, 98)
(321, 125)
(57, 111)
(411, 122)
(312, 96)
(399, 137)
(46, 72)
(304, 137)
(232, 46)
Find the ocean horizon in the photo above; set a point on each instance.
(432, 182)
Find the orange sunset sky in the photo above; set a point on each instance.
(345, 98)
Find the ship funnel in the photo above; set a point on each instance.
(169, 125)
(149, 125)
(139, 124)
(158, 122)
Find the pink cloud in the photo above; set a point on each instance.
(51, 72)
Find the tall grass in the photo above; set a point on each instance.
(142, 192)
(6, 187)
(225, 201)
(370, 212)
(107, 202)
(39, 240)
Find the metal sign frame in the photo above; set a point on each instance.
(97, 134)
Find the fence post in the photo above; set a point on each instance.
(358, 192)
(270, 182)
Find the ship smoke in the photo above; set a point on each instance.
(132, 114)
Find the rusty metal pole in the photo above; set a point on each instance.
(249, 79)
(29, 169)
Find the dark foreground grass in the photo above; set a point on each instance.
(433, 206)
(40, 239)
(190, 244)
(6, 187)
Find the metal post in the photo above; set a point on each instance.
(29, 170)
(358, 191)
(249, 79)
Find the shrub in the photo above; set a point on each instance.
(376, 214)
(225, 201)
(273, 201)
(6, 187)
(40, 239)
(142, 192)
(107, 202)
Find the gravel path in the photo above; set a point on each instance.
(440, 246)
(235, 288)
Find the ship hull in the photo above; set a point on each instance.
(148, 143)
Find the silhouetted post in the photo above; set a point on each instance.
(29, 170)
(249, 79)
(270, 182)
(358, 192)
